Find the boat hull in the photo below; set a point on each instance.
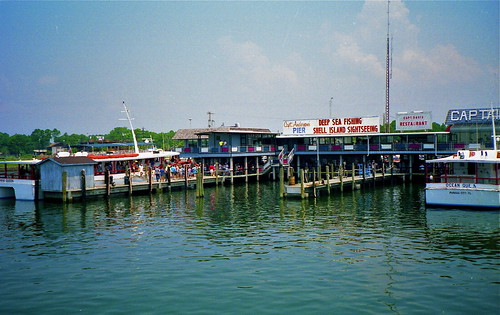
(463, 195)
(20, 189)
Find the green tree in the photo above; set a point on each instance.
(4, 142)
(19, 144)
(120, 134)
(72, 139)
(41, 138)
(438, 127)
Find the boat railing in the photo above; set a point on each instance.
(17, 171)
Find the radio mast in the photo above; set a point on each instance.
(388, 58)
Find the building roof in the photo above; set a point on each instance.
(185, 134)
(70, 160)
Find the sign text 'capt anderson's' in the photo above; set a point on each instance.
(333, 126)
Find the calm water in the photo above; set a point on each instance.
(242, 250)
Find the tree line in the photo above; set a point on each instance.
(22, 145)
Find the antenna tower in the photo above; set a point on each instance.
(388, 58)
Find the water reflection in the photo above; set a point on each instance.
(396, 214)
(381, 243)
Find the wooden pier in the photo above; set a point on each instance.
(320, 180)
(339, 180)
(142, 185)
(313, 188)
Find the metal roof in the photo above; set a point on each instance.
(186, 134)
(70, 160)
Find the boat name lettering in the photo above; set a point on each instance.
(6, 180)
(460, 185)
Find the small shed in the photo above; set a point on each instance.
(52, 169)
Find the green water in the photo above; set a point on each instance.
(242, 250)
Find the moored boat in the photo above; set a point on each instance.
(465, 179)
(18, 179)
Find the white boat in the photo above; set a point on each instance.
(465, 179)
(18, 179)
(117, 163)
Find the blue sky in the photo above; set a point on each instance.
(69, 65)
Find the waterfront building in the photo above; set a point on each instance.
(75, 167)
(345, 140)
(473, 127)
(242, 150)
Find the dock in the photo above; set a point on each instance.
(326, 181)
(141, 186)
(313, 188)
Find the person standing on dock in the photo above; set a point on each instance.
(162, 173)
(157, 173)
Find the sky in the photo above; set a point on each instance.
(71, 65)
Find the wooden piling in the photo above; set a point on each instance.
(327, 171)
(246, 169)
(363, 169)
(314, 183)
(129, 175)
(83, 184)
(302, 190)
(64, 186)
(150, 179)
(107, 181)
(353, 176)
(200, 193)
(282, 182)
(257, 168)
(217, 173)
(332, 169)
(341, 177)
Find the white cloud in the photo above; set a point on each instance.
(421, 75)
(442, 65)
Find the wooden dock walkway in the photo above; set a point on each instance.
(142, 185)
(313, 188)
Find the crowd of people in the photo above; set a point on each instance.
(179, 170)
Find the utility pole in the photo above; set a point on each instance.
(210, 120)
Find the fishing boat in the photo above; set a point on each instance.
(116, 163)
(465, 179)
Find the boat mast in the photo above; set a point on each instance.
(126, 111)
(387, 74)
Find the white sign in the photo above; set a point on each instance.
(333, 126)
(414, 121)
